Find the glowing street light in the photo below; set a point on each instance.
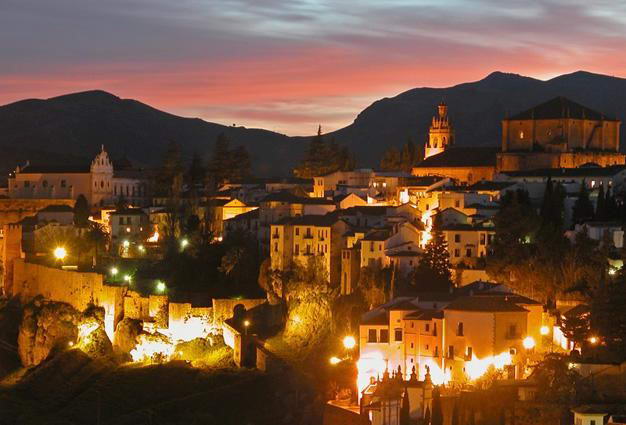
(60, 253)
(334, 360)
(246, 325)
(126, 244)
(114, 271)
(349, 342)
(141, 248)
(160, 286)
(528, 343)
(184, 243)
(544, 330)
(128, 278)
(593, 340)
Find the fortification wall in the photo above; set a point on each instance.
(14, 210)
(79, 289)
(223, 308)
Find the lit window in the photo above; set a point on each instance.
(521, 134)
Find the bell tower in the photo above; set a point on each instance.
(441, 133)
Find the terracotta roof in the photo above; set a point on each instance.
(462, 157)
(365, 210)
(375, 318)
(405, 305)
(425, 315)
(377, 235)
(489, 185)
(560, 107)
(485, 304)
(60, 169)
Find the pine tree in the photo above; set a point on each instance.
(169, 181)
(610, 205)
(408, 156)
(81, 211)
(241, 166)
(583, 208)
(546, 204)
(436, 254)
(391, 160)
(197, 172)
(220, 163)
(323, 157)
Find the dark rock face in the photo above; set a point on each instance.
(126, 335)
(49, 327)
(46, 326)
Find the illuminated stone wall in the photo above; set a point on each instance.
(79, 289)
(223, 308)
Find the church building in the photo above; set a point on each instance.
(441, 133)
(101, 182)
(558, 133)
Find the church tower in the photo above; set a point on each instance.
(441, 134)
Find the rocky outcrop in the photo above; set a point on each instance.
(126, 335)
(46, 326)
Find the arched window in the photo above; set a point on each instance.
(521, 134)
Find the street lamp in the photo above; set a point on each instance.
(334, 360)
(593, 340)
(544, 330)
(528, 343)
(160, 286)
(184, 243)
(60, 253)
(349, 342)
(246, 324)
(114, 271)
(128, 278)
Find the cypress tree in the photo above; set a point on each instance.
(81, 211)
(610, 205)
(601, 205)
(405, 418)
(583, 207)
(546, 204)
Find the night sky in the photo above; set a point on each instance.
(289, 65)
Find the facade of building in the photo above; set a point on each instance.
(98, 182)
(559, 133)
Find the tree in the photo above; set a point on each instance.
(433, 271)
(556, 381)
(583, 208)
(323, 157)
(601, 205)
(169, 176)
(409, 156)
(575, 326)
(197, 171)
(241, 166)
(437, 416)
(608, 316)
(373, 284)
(220, 162)
(391, 160)
(81, 211)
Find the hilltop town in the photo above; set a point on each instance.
(450, 285)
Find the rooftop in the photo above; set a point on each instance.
(311, 220)
(129, 211)
(569, 172)
(462, 157)
(484, 304)
(57, 208)
(489, 186)
(560, 107)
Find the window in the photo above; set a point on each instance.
(592, 422)
(459, 329)
(412, 345)
(436, 353)
(371, 246)
(371, 335)
(63, 183)
(468, 252)
(426, 347)
(521, 134)
(121, 220)
(384, 335)
(457, 204)
(482, 239)
(457, 237)
(469, 353)
(427, 327)
(397, 335)
(512, 351)
(275, 246)
(457, 252)
(297, 231)
(44, 183)
(297, 249)
(451, 352)
(380, 246)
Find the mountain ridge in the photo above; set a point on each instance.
(76, 124)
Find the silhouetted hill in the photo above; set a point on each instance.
(72, 128)
(475, 109)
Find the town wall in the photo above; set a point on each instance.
(223, 308)
(79, 289)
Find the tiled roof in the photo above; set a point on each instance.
(378, 317)
(245, 216)
(404, 305)
(403, 254)
(285, 196)
(311, 220)
(560, 107)
(377, 235)
(425, 315)
(489, 185)
(570, 172)
(56, 169)
(57, 208)
(365, 210)
(515, 298)
(484, 304)
(462, 157)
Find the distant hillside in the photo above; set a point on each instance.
(71, 128)
(475, 109)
